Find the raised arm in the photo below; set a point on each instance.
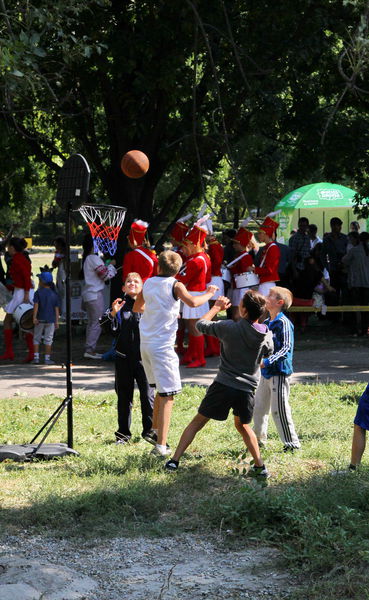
(193, 301)
(221, 303)
(139, 305)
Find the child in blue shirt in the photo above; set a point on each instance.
(46, 310)
(361, 426)
(272, 394)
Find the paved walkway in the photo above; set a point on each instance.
(350, 363)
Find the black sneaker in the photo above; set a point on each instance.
(171, 465)
(288, 448)
(258, 472)
(152, 437)
(121, 439)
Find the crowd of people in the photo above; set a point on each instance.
(175, 298)
(182, 291)
(331, 271)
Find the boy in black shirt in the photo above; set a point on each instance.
(128, 365)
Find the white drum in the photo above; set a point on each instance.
(244, 280)
(23, 315)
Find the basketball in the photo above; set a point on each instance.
(135, 164)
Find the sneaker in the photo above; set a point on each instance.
(350, 469)
(258, 472)
(49, 362)
(93, 355)
(156, 452)
(287, 448)
(36, 361)
(171, 465)
(152, 438)
(121, 440)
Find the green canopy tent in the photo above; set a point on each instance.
(319, 202)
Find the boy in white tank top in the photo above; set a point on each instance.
(159, 303)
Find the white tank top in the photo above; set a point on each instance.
(159, 322)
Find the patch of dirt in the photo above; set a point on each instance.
(179, 568)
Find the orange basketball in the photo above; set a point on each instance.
(135, 164)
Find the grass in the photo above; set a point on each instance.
(317, 520)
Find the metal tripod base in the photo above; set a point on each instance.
(27, 452)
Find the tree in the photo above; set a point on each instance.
(189, 83)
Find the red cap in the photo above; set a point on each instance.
(179, 231)
(269, 226)
(137, 232)
(243, 236)
(196, 235)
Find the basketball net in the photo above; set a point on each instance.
(104, 223)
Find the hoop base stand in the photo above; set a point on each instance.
(39, 450)
(73, 184)
(26, 452)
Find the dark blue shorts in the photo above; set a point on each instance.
(362, 413)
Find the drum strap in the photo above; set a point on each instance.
(236, 260)
(183, 268)
(145, 255)
(265, 255)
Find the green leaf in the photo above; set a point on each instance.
(39, 52)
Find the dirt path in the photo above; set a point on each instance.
(348, 362)
(180, 568)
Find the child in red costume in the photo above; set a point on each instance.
(141, 259)
(216, 253)
(178, 232)
(270, 257)
(194, 274)
(22, 288)
(177, 235)
(240, 264)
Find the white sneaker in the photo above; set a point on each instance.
(49, 362)
(94, 355)
(157, 452)
(36, 361)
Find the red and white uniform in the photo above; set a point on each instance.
(268, 269)
(20, 274)
(209, 274)
(193, 275)
(237, 268)
(216, 253)
(141, 260)
(270, 257)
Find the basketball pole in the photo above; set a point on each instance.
(68, 365)
(68, 400)
(72, 192)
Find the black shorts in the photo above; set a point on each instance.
(221, 398)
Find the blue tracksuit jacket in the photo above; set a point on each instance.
(280, 362)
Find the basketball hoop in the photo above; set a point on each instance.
(104, 222)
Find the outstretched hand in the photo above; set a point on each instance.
(117, 305)
(212, 288)
(223, 303)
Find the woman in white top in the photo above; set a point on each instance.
(95, 273)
